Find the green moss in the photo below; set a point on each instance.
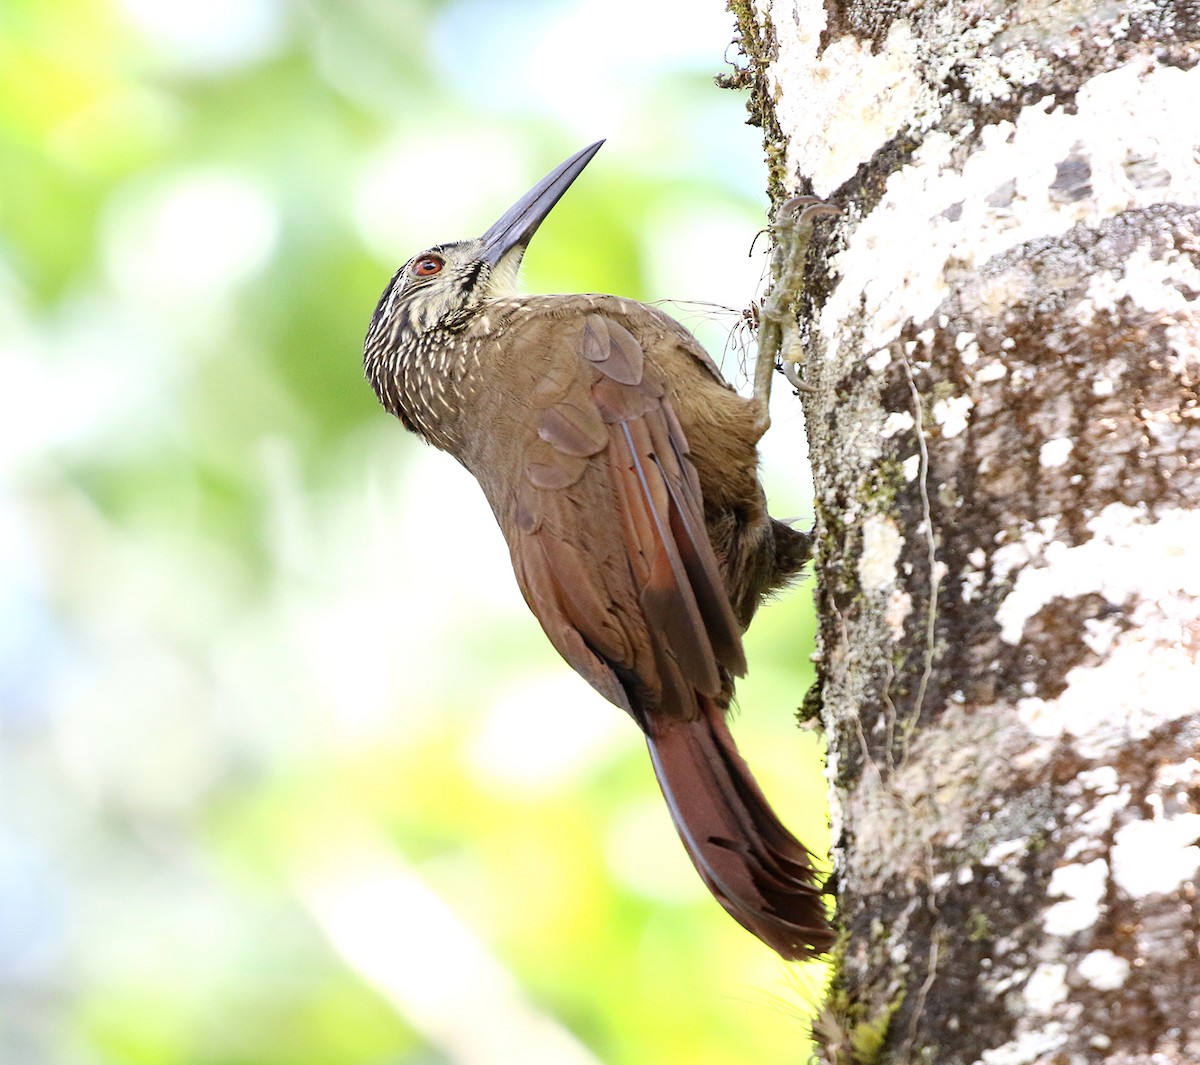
(743, 12)
(868, 1036)
(740, 78)
(948, 496)
(757, 44)
(810, 709)
(978, 927)
(848, 1037)
(943, 390)
(848, 1032)
(884, 483)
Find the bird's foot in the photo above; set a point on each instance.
(779, 341)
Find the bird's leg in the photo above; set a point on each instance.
(778, 331)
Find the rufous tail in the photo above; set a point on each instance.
(755, 867)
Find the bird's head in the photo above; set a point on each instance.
(442, 287)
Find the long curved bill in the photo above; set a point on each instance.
(517, 225)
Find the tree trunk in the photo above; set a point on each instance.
(1003, 346)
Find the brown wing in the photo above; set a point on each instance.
(607, 528)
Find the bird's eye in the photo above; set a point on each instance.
(427, 266)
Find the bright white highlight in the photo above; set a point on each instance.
(200, 235)
(1083, 886)
(1156, 857)
(882, 543)
(1104, 970)
(212, 36)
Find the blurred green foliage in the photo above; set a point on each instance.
(289, 776)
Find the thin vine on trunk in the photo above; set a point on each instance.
(1002, 341)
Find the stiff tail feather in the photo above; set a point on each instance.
(755, 867)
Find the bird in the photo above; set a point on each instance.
(622, 470)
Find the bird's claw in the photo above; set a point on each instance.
(791, 370)
(809, 208)
(778, 332)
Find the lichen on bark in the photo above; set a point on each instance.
(1004, 352)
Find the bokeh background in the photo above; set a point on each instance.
(288, 775)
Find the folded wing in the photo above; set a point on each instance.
(610, 549)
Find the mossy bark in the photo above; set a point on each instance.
(1003, 346)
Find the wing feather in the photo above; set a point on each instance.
(609, 543)
(610, 547)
